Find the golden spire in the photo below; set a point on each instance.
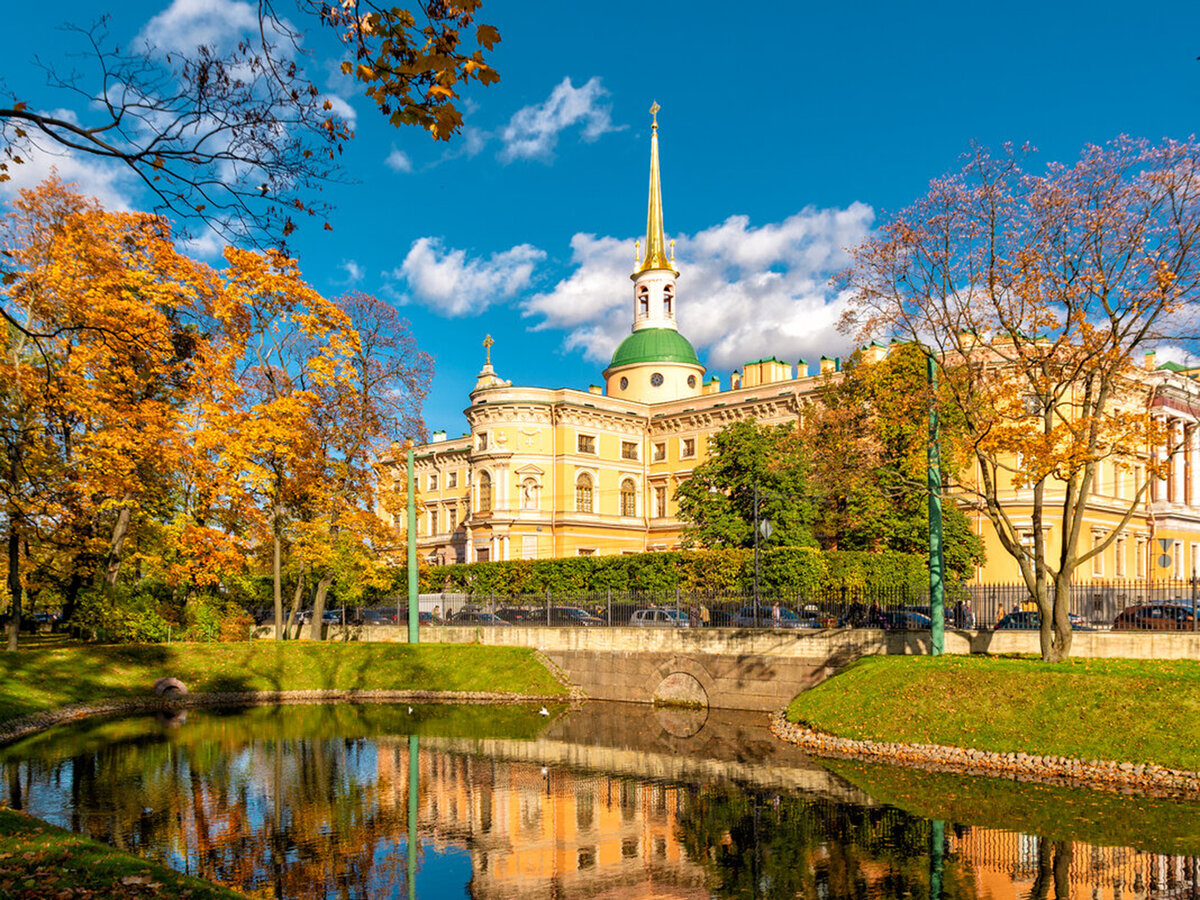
(656, 242)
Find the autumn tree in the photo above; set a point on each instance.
(358, 417)
(865, 433)
(239, 136)
(1037, 292)
(746, 460)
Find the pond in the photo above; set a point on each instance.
(604, 800)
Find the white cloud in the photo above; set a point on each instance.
(533, 131)
(398, 161)
(187, 24)
(744, 292)
(109, 182)
(450, 283)
(353, 270)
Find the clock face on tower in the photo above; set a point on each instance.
(656, 379)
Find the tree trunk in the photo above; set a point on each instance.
(112, 559)
(296, 595)
(14, 579)
(1061, 619)
(275, 575)
(319, 606)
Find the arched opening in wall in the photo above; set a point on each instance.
(485, 492)
(583, 493)
(628, 498)
(643, 300)
(668, 299)
(529, 493)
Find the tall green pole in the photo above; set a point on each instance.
(414, 619)
(411, 844)
(937, 601)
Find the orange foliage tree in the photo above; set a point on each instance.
(1036, 292)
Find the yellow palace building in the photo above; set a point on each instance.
(548, 473)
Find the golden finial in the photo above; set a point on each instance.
(487, 348)
(637, 252)
(654, 108)
(655, 256)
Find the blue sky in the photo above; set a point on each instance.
(787, 132)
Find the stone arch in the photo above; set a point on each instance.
(682, 681)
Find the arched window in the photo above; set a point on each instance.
(668, 298)
(583, 493)
(628, 498)
(485, 492)
(529, 498)
(643, 297)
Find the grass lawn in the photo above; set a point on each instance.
(1128, 710)
(43, 678)
(38, 860)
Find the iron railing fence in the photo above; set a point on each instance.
(1109, 605)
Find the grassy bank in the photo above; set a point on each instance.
(1128, 710)
(40, 679)
(39, 860)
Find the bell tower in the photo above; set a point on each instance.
(654, 275)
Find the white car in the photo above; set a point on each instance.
(659, 618)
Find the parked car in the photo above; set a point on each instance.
(1155, 617)
(572, 615)
(376, 617)
(654, 617)
(905, 620)
(1029, 620)
(476, 617)
(517, 615)
(745, 618)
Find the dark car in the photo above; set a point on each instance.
(376, 617)
(1029, 620)
(904, 620)
(1155, 617)
(476, 617)
(519, 615)
(572, 615)
(766, 619)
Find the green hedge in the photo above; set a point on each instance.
(785, 570)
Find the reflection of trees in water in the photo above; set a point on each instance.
(770, 845)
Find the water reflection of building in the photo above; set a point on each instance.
(1007, 866)
(547, 832)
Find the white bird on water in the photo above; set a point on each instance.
(543, 711)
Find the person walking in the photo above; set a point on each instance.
(776, 615)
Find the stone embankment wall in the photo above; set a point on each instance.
(743, 669)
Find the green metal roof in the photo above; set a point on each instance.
(654, 345)
(1173, 367)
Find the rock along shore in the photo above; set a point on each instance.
(1118, 777)
(24, 726)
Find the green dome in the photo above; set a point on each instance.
(654, 345)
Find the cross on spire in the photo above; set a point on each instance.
(487, 348)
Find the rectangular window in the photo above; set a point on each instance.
(433, 521)
(1098, 559)
(1139, 560)
(1119, 474)
(483, 440)
(1195, 561)
(660, 502)
(586, 443)
(451, 479)
(433, 481)
(629, 450)
(452, 513)
(587, 551)
(1177, 559)
(660, 451)
(1119, 558)
(687, 448)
